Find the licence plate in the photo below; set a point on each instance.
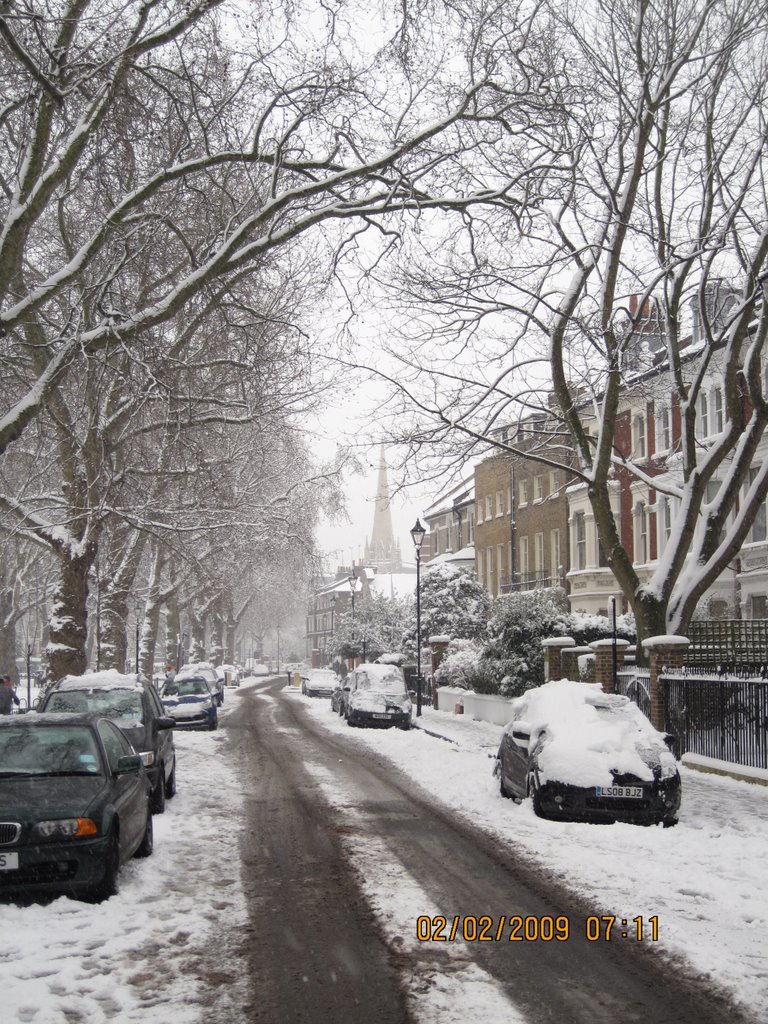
(377, 715)
(9, 862)
(627, 792)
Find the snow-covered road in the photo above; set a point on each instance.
(166, 949)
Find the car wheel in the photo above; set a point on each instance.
(669, 822)
(147, 844)
(170, 783)
(406, 726)
(213, 724)
(108, 885)
(157, 797)
(502, 788)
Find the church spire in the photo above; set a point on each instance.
(382, 550)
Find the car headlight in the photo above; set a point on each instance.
(147, 758)
(65, 828)
(668, 768)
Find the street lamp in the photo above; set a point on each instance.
(352, 584)
(417, 534)
(138, 612)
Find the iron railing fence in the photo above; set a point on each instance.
(718, 717)
(724, 717)
(635, 684)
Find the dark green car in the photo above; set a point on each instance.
(74, 805)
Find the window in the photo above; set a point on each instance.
(717, 411)
(479, 511)
(638, 437)
(523, 556)
(499, 503)
(489, 568)
(538, 552)
(554, 547)
(554, 482)
(663, 428)
(470, 526)
(538, 487)
(702, 418)
(758, 531)
(580, 540)
(489, 506)
(522, 489)
(500, 560)
(641, 533)
(665, 521)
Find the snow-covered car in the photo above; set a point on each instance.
(376, 695)
(585, 755)
(228, 675)
(321, 682)
(208, 672)
(190, 702)
(134, 706)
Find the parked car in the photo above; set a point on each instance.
(205, 670)
(228, 675)
(376, 695)
(585, 755)
(74, 805)
(133, 704)
(321, 682)
(191, 703)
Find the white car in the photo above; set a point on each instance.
(321, 682)
(376, 695)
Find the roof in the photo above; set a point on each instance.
(458, 494)
(393, 584)
(109, 679)
(463, 555)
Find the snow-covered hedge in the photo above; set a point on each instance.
(514, 657)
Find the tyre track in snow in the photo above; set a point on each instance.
(343, 793)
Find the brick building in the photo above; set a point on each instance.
(521, 513)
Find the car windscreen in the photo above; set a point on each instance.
(48, 750)
(382, 684)
(123, 706)
(186, 688)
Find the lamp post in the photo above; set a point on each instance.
(417, 535)
(138, 610)
(352, 584)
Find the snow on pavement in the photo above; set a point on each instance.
(151, 954)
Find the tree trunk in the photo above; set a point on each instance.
(152, 617)
(8, 635)
(114, 641)
(651, 620)
(68, 624)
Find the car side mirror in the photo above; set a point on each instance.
(128, 763)
(165, 723)
(670, 740)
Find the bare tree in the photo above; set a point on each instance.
(163, 169)
(634, 276)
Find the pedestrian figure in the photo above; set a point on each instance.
(7, 696)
